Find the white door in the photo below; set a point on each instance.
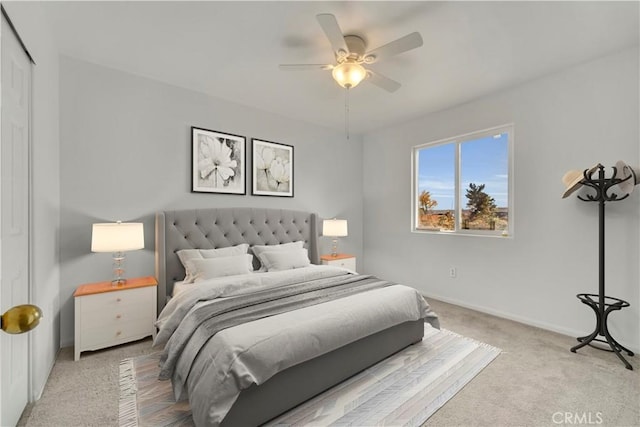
(15, 84)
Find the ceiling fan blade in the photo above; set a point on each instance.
(305, 67)
(333, 32)
(403, 44)
(382, 81)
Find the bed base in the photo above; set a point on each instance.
(295, 385)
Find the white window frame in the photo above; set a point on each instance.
(458, 140)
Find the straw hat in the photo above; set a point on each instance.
(572, 180)
(624, 170)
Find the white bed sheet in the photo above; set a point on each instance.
(180, 286)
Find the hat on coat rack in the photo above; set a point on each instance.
(572, 180)
(624, 171)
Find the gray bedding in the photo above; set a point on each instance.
(220, 335)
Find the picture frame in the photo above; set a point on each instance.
(217, 162)
(272, 169)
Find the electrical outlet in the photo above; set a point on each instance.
(452, 272)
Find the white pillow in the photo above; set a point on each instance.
(285, 260)
(258, 250)
(210, 268)
(188, 254)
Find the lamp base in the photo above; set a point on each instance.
(118, 269)
(334, 247)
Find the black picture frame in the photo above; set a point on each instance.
(218, 162)
(272, 167)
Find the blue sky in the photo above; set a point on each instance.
(483, 161)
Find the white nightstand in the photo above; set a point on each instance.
(340, 260)
(107, 315)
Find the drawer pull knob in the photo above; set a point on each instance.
(118, 299)
(118, 333)
(119, 316)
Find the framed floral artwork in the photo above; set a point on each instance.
(218, 162)
(272, 170)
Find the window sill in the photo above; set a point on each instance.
(466, 233)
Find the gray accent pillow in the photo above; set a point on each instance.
(259, 249)
(186, 255)
(285, 260)
(210, 268)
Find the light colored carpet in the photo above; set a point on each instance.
(535, 377)
(404, 389)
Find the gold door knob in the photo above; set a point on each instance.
(20, 319)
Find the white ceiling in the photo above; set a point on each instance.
(231, 50)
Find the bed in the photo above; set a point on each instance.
(287, 387)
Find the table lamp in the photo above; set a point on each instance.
(117, 238)
(334, 228)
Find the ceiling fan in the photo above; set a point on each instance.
(351, 53)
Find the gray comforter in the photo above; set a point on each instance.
(231, 337)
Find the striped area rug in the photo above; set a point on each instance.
(402, 390)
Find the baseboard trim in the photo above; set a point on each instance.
(520, 319)
(37, 394)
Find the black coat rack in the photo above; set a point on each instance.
(601, 304)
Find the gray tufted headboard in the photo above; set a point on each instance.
(221, 227)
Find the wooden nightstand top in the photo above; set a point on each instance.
(333, 258)
(101, 287)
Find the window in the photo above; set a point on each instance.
(463, 185)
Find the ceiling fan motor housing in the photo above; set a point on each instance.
(357, 47)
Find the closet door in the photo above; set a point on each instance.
(15, 88)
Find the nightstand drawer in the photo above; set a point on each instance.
(106, 335)
(344, 261)
(129, 299)
(117, 315)
(349, 263)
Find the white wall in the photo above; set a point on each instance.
(568, 120)
(31, 24)
(125, 154)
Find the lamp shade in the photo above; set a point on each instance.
(117, 237)
(334, 227)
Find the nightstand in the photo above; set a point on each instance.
(107, 315)
(340, 260)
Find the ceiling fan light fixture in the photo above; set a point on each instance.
(349, 74)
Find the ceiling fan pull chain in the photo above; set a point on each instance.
(346, 112)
